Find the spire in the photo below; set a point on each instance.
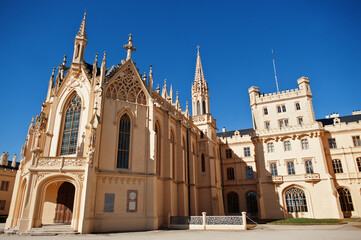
(103, 69)
(63, 68)
(80, 43)
(164, 89)
(199, 79)
(129, 47)
(82, 29)
(95, 70)
(51, 83)
(170, 97)
(187, 110)
(177, 104)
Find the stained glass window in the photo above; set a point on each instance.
(123, 142)
(71, 127)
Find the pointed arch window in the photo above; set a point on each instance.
(71, 127)
(203, 163)
(345, 200)
(296, 200)
(199, 108)
(204, 107)
(123, 142)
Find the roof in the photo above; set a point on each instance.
(246, 131)
(89, 67)
(345, 119)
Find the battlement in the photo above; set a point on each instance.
(257, 97)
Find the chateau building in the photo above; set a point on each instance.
(108, 152)
(7, 179)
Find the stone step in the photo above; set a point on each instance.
(51, 230)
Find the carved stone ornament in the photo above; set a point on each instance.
(126, 87)
(121, 180)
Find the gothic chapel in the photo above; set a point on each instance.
(110, 153)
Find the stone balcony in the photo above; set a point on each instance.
(313, 177)
(61, 163)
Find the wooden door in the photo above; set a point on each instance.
(64, 203)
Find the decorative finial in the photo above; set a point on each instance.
(96, 57)
(105, 54)
(158, 88)
(64, 60)
(84, 14)
(198, 49)
(145, 76)
(186, 104)
(129, 47)
(53, 72)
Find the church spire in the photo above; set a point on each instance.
(51, 83)
(80, 42)
(200, 92)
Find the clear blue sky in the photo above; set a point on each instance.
(317, 39)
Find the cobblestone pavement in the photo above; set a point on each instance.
(274, 232)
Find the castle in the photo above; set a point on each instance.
(108, 152)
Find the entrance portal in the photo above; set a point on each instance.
(64, 203)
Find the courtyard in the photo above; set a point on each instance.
(262, 231)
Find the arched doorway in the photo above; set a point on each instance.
(344, 196)
(64, 203)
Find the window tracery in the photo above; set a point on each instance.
(296, 200)
(123, 142)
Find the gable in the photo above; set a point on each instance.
(126, 85)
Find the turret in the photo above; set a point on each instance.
(304, 84)
(200, 91)
(80, 43)
(253, 94)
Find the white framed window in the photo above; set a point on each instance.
(304, 144)
(308, 166)
(298, 106)
(300, 121)
(283, 123)
(332, 143)
(287, 145)
(337, 166)
(270, 147)
(273, 169)
(247, 152)
(291, 168)
(356, 141)
(267, 125)
(265, 111)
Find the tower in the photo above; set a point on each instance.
(80, 43)
(200, 91)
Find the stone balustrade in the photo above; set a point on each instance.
(312, 177)
(59, 163)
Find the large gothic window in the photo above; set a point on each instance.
(251, 199)
(232, 202)
(296, 200)
(71, 126)
(123, 142)
(345, 201)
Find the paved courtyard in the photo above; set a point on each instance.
(269, 232)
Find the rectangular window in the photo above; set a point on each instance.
(283, 108)
(337, 166)
(270, 147)
(287, 145)
(247, 152)
(267, 125)
(283, 123)
(279, 109)
(332, 143)
(291, 168)
(304, 143)
(249, 172)
(308, 166)
(4, 186)
(273, 169)
(230, 173)
(109, 202)
(298, 106)
(358, 161)
(2, 204)
(356, 141)
(265, 111)
(300, 121)
(228, 153)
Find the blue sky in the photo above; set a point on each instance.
(317, 39)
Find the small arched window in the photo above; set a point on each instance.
(298, 107)
(203, 163)
(204, 107)
(265, 111)
(123, 142)
(71, 127)
(296, 200)
(232, 202)
(199, 108)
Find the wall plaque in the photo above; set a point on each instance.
(109, 202)
(132, 201)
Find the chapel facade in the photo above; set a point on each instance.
(108, 152)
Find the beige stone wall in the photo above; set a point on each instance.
(7, 175)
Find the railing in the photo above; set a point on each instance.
(312, 177)
(61, 162)
(208, 222)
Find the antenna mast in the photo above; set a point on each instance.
(274, 69)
